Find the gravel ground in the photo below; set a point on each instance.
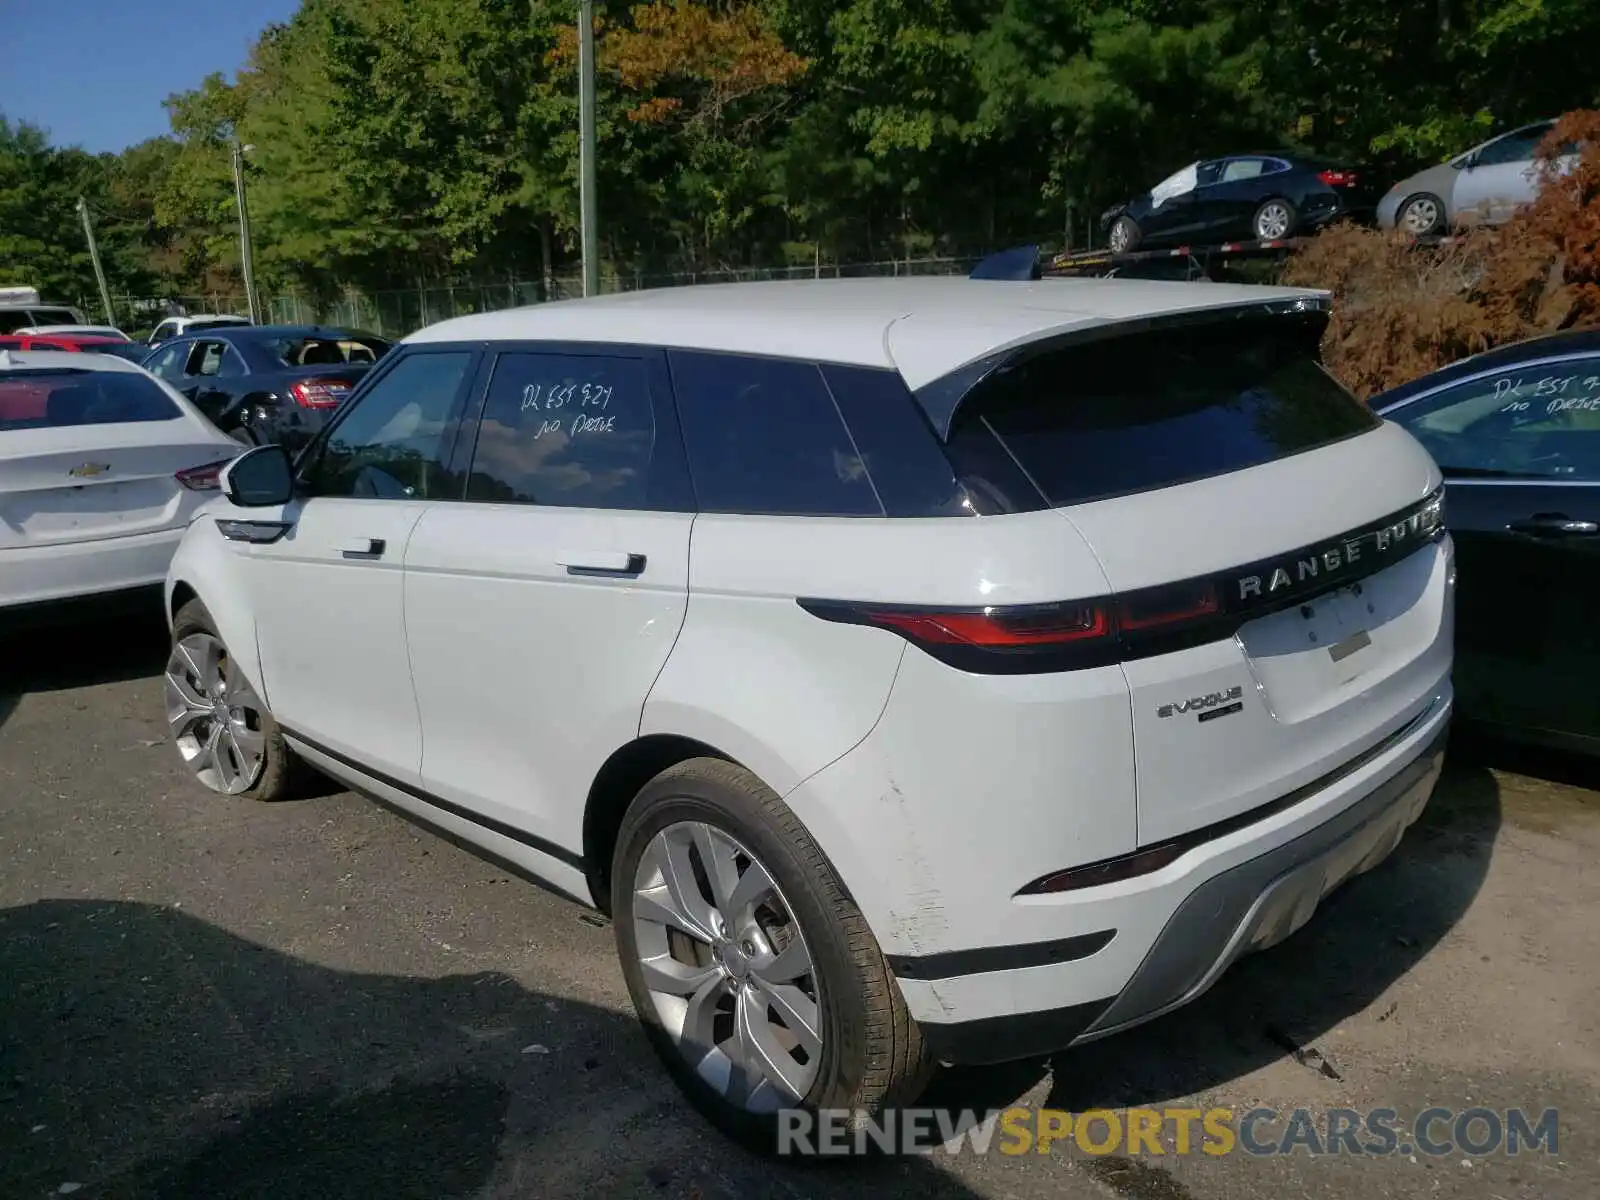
(318, 999)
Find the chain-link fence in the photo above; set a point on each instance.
(395, 313)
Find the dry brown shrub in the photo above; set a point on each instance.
(1402, 310)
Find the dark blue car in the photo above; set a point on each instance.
(1516, 432)
(267, 383)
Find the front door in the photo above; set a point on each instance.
(1503, 176)
(329, 594)
(542, 608)
(1520, 450)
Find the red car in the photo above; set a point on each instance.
(85, 342)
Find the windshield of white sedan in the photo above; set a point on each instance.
(59, 399)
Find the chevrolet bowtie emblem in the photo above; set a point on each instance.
(89, 470)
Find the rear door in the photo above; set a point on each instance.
(1520, 450)
(1227, 205)
(542, 606)
(86, 455)
(1268, 537)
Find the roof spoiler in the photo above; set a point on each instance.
(940, 398)
(1018, 265)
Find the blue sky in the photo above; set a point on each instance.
(94, 72)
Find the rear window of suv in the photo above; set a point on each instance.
(1142, 411)
(57, 399)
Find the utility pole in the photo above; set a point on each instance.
(94, 257)
(587, 203)
(246, 262)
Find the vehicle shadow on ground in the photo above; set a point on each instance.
(145, 1053)
(1565, 767)
(1278, 1003)
(81, 654)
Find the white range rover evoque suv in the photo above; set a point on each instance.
(916, 671)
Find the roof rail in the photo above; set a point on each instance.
(1018, 265)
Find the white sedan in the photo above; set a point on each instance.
(102, 466)
(105, 331)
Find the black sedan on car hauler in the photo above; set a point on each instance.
(1517, 434)
(1262, 197)
(267, 383)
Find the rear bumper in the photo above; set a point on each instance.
(36, 577)
(1248, 906)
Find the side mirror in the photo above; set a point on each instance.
(259, 478)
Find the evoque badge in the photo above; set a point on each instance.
(89, 470)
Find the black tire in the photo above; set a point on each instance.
(1426, 228)
(873, 1056)
(1269, 207)
(1130, 233)
(282, 773)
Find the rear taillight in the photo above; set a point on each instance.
(319, 393)
(203, 479)
(1044, 637)
(996, 627)
(1338, 178)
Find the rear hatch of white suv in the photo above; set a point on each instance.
(1280, 578)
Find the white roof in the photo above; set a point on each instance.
(924, 326)
(98, 330)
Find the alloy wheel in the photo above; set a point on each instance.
(1119, 238)
(1272, 222)
(727, 967)
(1421, 216)
(215, 715)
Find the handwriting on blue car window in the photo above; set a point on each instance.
(1555, 393)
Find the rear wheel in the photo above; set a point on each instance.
(1125, 235)
(756, 978)
(221, 727)
(1273, 220)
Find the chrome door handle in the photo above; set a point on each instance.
(1554, 525)
(605, 563)
(364, 548)
(260, 533)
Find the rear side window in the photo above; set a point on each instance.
(764, 436)
(909, 470)
(57, 399)
(1161, 407)
(567, 430)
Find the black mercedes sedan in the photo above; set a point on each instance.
(267, 383)
(1260, 197)
(1516, 432)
